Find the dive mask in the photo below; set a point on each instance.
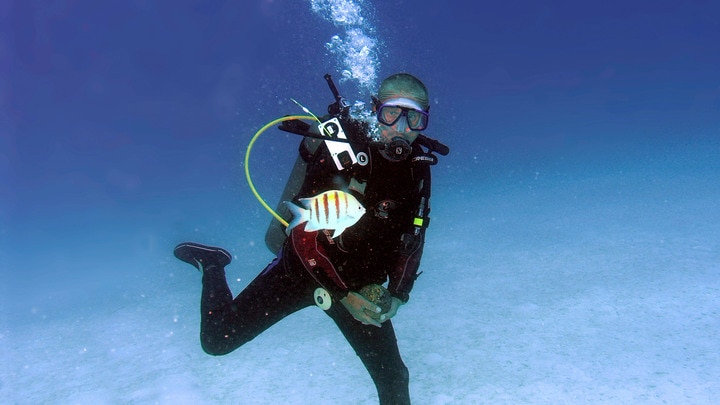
(392, 110)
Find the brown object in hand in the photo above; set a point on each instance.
(379, 296)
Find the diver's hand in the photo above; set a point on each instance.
(356, 304)
(392, 311)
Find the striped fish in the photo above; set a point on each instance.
(332, 209)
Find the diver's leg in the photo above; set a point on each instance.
(378, 350)
(211, 262)
(228, 323)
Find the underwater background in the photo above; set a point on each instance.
(573, 255)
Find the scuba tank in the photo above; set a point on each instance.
(342, 153)
(275, 234)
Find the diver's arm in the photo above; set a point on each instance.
(403, 273)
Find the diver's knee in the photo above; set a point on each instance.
(216, 347)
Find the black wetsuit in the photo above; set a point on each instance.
(385, 244)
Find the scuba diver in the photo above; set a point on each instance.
(360, 210)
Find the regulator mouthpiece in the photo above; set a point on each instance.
(397, 150)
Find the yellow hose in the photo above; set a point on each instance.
(247, 159)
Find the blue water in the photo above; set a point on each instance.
(573, 254)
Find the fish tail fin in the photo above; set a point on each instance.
(300, 215)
